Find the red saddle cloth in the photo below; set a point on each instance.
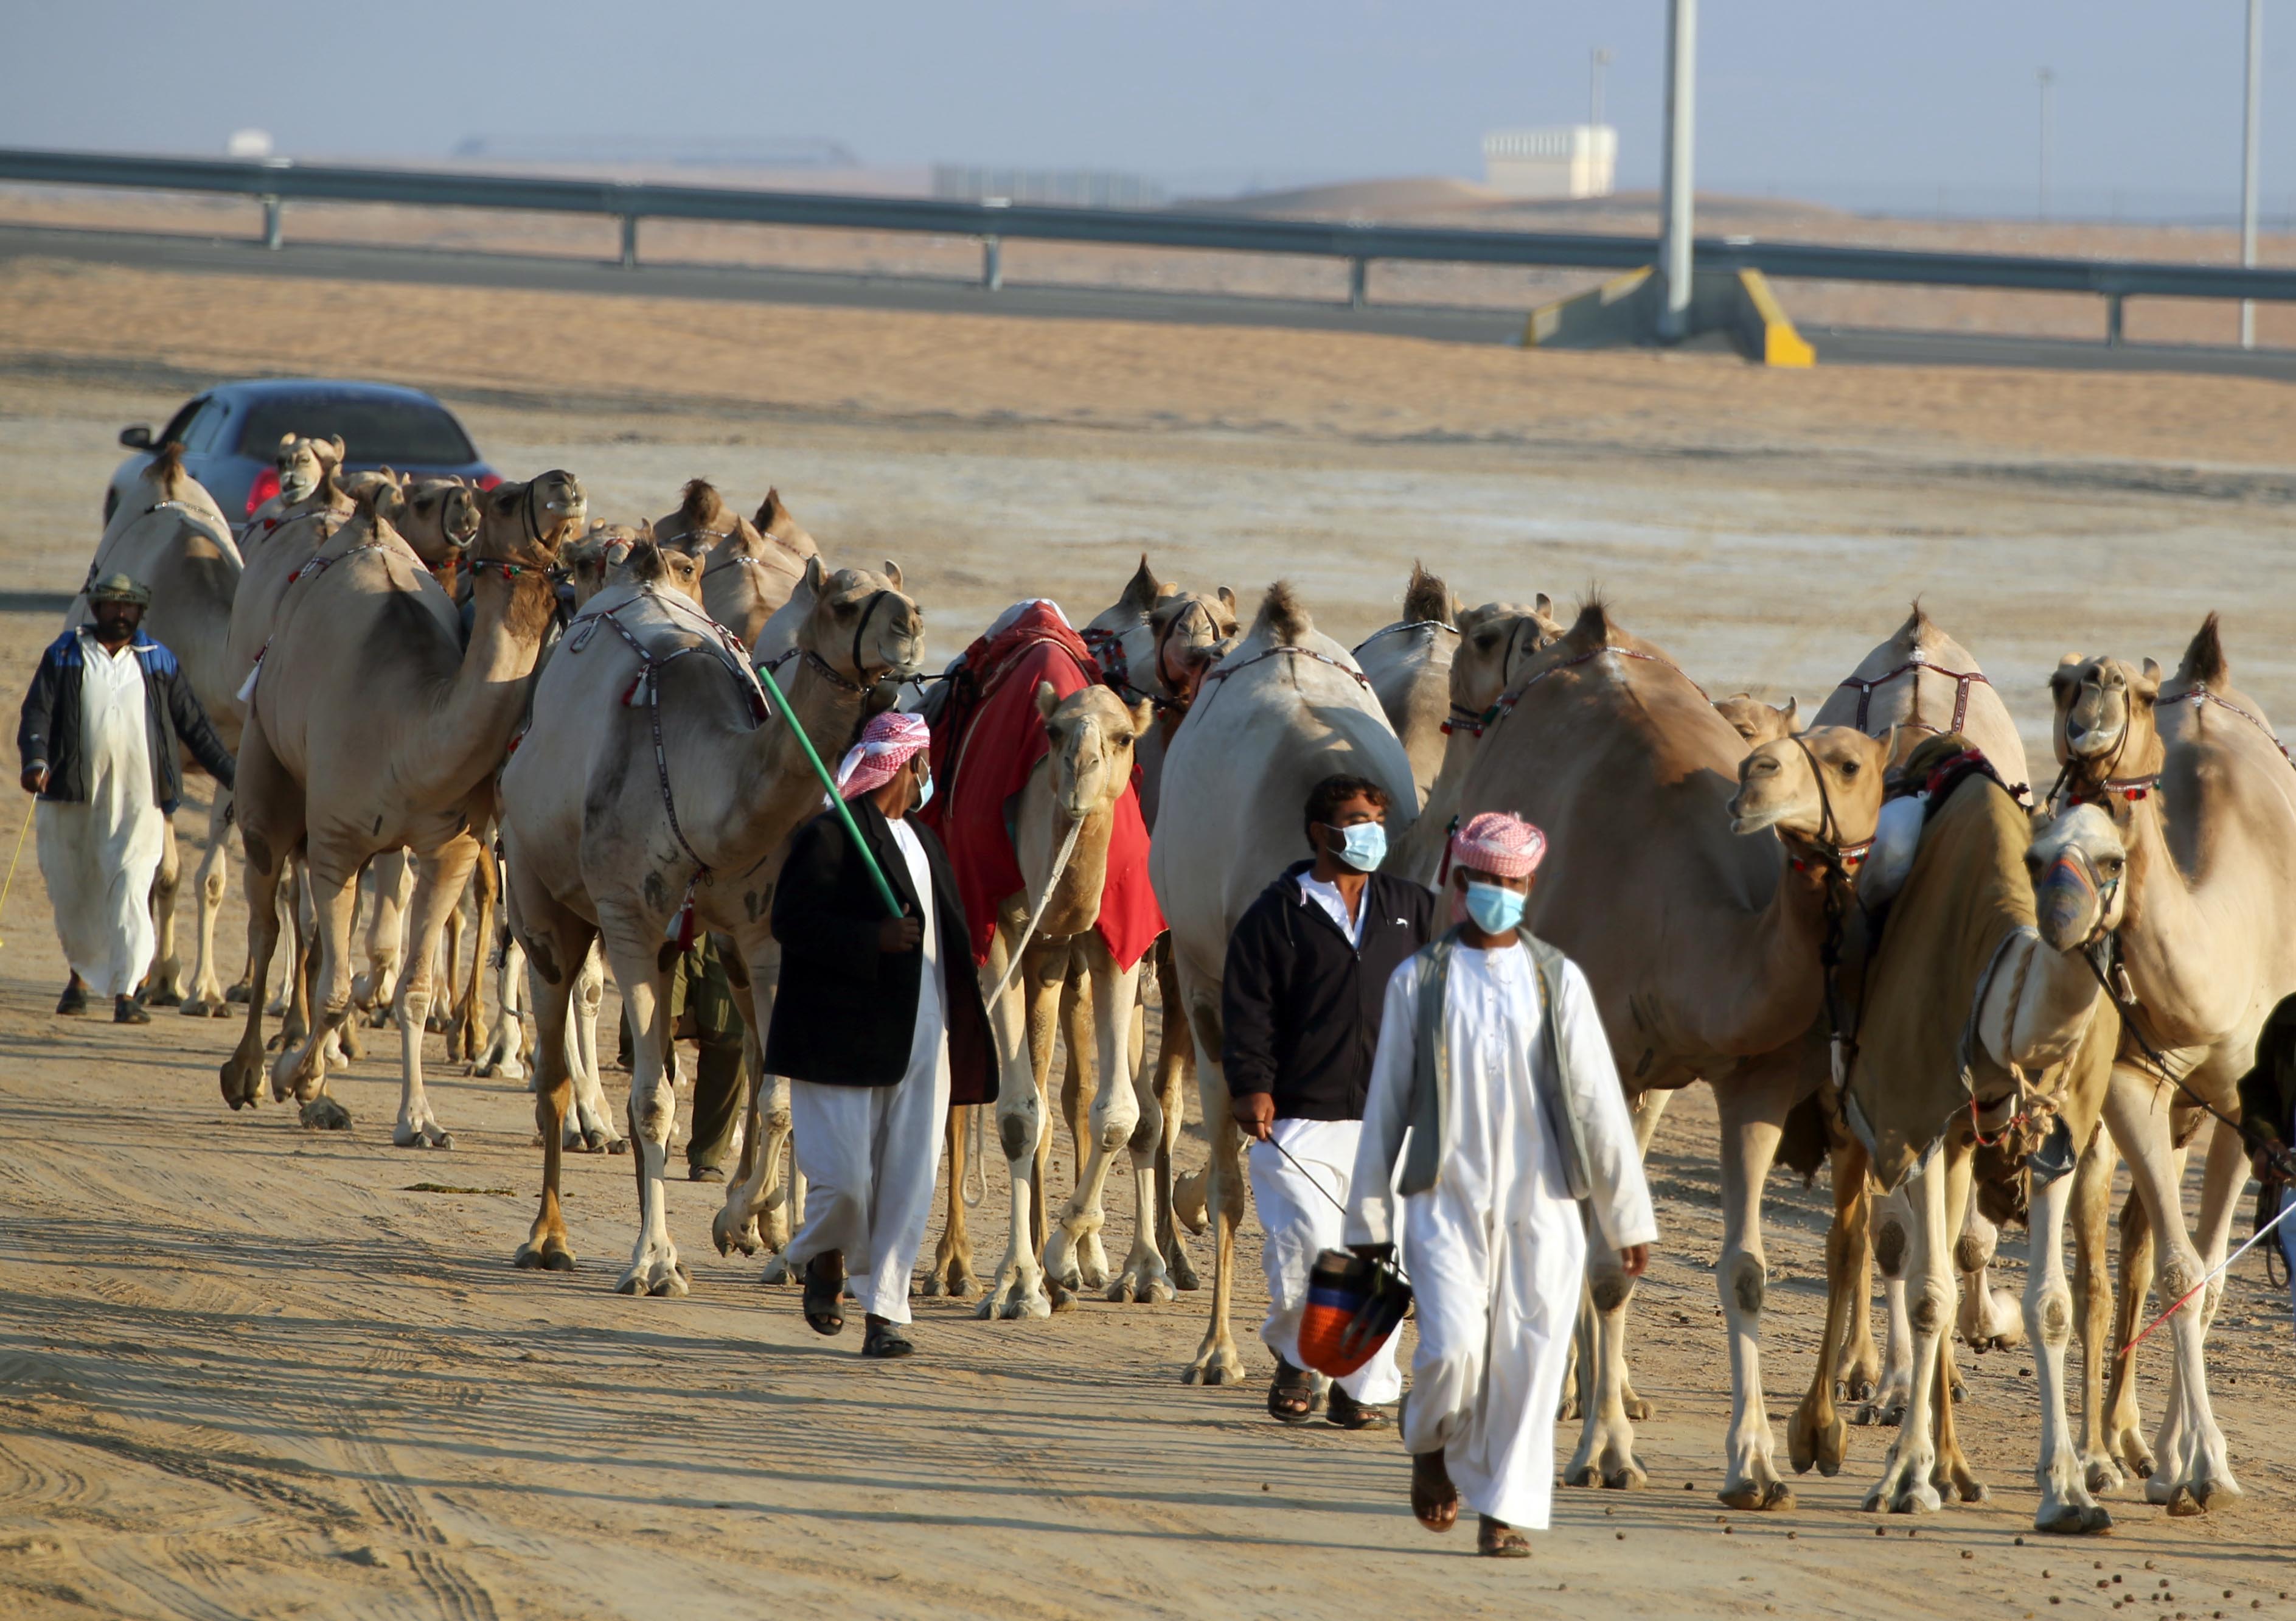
(988, 738)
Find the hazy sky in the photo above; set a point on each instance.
(1845, 98)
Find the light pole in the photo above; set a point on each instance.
(2048, 80)
(1675, 183)
(2248, 163)
(1598, 60)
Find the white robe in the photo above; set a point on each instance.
(1496, 1249)
(869, 1153)
(1301, 1218)
(99, 858)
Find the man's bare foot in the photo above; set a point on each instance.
(1433, 1498)
(1497, 1540)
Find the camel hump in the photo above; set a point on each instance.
(1426, 598)
(2204, 657)
(381, 502)
(1283, 616)
(1141, 591)
(1593, 626)
(166, 470)
(700, 507)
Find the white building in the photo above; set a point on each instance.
(1564, 161)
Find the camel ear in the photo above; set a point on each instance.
(770, 509)
(2152, 673)
(286, 441)
(816, 575)
(1143, 716)
(1228, 598)
(893, 573)
(337, 442)
(1047, 700)
(1544, 605)
(1792, 708)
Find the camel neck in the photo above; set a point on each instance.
(485, 701)
(2174, 939)
(1767, 985)
(2055, 998)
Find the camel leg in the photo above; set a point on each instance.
(470, 987)
(1753, 1108)
(241, 1073)
(1904, 1486)
(1952, 1467)
(1858, 1368)
(1893, 1235)
(1989, 1318)
(1045, 1020)
(2066, 1504)
(631, 953)
(1815, 1434)
(393, 876)
(445, 966)
(592, 1127)
(1607, 1404)
(2091, 1204)
(759, 1211)
(1175, 1056)
(1022, 1023)
(2139, 1256)
(1223, 1184)
(1105, 1006)
(206, 999)
(438, 893)
(951, 1272)
(1146, 1275)
(551, 939)
(330, 880)
(290, 922)
(163, 986)
(1649, 1108)
(505, 1054)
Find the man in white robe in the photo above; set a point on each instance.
(876, 1018)
(99, 740)
(1514, 1115)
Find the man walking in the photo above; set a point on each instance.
(1307, 975)
(1492, 1054)
(878, 1023)
(109, 711)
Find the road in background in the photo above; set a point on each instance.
(1449, 324)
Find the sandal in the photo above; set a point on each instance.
(1344, 1410)
(885, 1341)
(1291, 1398)
(1434, 1500)
(1497, 1540)
(824, 1287)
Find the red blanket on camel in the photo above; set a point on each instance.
(988, 740)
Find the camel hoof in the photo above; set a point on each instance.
(1973, 1490)
(594, 1142)
(1222, 1367)
(1063, 1297)
(2102, 1475)
(552, 1257)
(617, 1145)
(163, 998)
(2073, 1519)
(199, 1007)
(1627, 1477)
(1567, 1411)
(1810, 1444)
(236, 995)
(1637, 1408)
(1960, 1392)
(1775, 1497)
(1584, 1476)
(731, 1235)
(1131, 1289)
(323, 1114)
(672, 1285)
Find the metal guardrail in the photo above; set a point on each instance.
(276, 183)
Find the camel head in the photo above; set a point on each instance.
(1495, 642)
(439, 518)
(1092, 732)
(1755, 720)
(863, 628)
(304, 464)
(526, 523)
(702, 522)
(1194, 630)
(2103, 726)
(597, 559)
(2076, 863)
(1780, 787)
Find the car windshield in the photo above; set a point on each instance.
(403, 432)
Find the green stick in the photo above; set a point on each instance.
(836, 800)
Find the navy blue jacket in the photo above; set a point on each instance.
(49, 734)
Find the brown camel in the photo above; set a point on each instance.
(749, 568)
(1702, 948)
(373, 728)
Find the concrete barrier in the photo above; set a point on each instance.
(1737, 304)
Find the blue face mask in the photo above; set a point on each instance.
(924, 794)
(1363, 846)
(1494, 911)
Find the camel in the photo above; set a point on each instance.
(1701, 946)
(1494, 644)
(1987, 957)
(749, 569)
(306, 467)
(1409, 664)
(642, 859)
(1281, 712)
(1069, 807)
(169, 536)
(391, 746)
(2203, 797)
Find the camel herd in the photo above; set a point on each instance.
(1877, 937)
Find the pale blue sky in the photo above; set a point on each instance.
(1845, 99)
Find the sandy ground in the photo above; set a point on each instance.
(248, 1371)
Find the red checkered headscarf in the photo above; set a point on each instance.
(1497, 842)
(887, 744)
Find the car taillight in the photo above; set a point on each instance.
(265, 486)
(487, 481)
